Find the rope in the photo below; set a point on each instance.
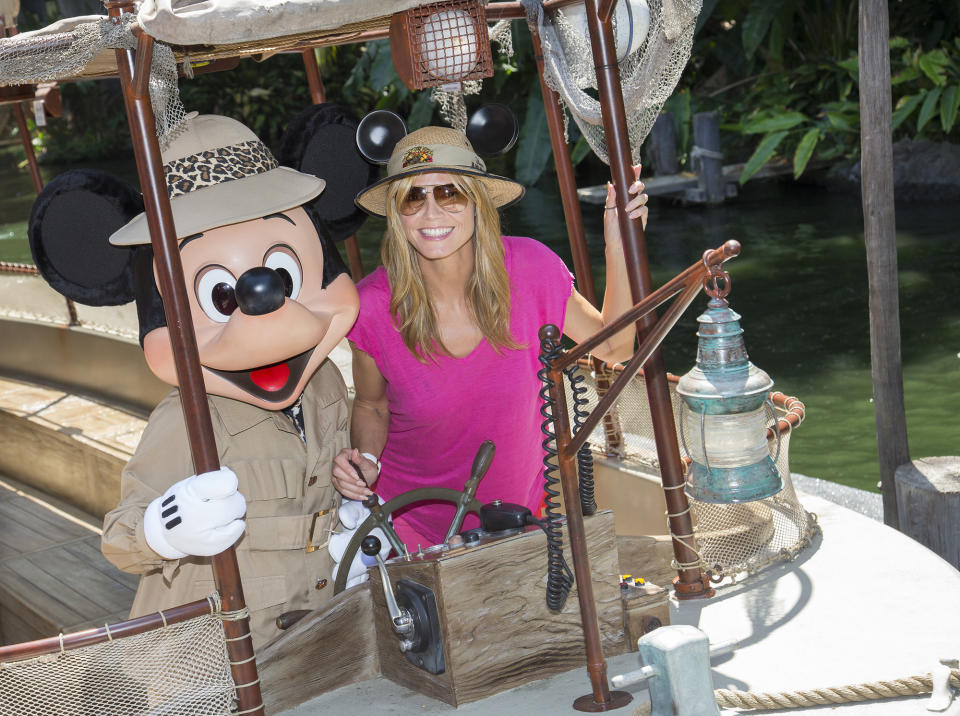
(852, 693)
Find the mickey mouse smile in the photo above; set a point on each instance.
(274, 383)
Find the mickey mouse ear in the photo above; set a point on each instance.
(319, 141)
(378, 133)
(70, 226)
(493, 130)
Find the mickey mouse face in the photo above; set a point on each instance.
(262, 318)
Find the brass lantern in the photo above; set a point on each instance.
(441, 45)
(723, 416)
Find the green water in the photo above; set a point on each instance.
(800, 285)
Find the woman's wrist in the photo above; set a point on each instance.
(372, 458)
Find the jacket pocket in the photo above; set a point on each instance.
(269, 479)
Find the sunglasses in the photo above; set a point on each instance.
(447, 196)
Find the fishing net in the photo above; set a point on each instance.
(179, 669)
(49, 54)
(648, 73)
(730, 539)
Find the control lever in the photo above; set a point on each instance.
(401, 618)
(481, 463)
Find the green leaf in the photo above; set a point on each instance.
(851, 65)
(804, 151)
(905, 108)
(580, 151)
(421, 113)
(843, 121)
(933, 64)
(768, 145)
(533, 147)
(929, 108)
(382, 71)
(773, 123)
(908, 74)
(897, 43)
(757, 23)
(948, 107)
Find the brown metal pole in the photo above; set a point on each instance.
(566, 180)
(189, 376)
(602, 699)
(690, 581)
(319, 96)
(26, 140)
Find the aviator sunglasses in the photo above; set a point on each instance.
(447, 196)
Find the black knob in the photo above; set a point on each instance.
(259, 291)
(370, 546)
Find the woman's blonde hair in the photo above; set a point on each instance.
(488, 288)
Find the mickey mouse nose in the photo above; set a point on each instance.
(259, 291)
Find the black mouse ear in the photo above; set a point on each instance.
(70, 226)
(379, 133)
(320, 141)
(493, 130)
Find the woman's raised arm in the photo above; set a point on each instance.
(583, 319)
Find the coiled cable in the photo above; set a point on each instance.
(588, 503)
(559, 577)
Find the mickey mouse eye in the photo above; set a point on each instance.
(282, 259)
(215, 293)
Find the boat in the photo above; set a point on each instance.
(482, 646)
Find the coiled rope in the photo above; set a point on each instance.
(852, 693)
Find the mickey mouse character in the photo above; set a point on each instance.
(269, 298)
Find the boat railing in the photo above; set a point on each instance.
(171, 662)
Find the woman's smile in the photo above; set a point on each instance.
(436, 233)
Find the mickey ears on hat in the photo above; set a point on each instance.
(492, 130)
(320, 141)
(70, 224)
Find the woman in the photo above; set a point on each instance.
(445, 349)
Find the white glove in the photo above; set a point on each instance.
(352, 514)
(199, 516)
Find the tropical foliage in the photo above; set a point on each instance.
(783, 75)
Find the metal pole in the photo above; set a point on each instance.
(319, 96)
(602, 699)
(184, 343)
(879, 231)
(26, 140)
(566, 180)
(690, 581)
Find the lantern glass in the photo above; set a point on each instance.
(449, 45)
(731, 440)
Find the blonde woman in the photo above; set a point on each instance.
(445, 349)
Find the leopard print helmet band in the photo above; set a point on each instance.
(218, 172)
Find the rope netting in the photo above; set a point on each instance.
(731, 539)
(40, 57)
(649, 69)
(178, 669)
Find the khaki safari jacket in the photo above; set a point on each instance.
(285, 482)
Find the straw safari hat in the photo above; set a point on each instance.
(437, 149)
(218, 172)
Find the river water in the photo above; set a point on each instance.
(800, 284)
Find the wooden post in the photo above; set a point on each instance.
(928, 497)
(876, 149)
(706, 140)
(663, 146)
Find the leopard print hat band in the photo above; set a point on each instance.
(214, 166)
(218, 172)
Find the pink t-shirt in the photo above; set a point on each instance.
(441, 412)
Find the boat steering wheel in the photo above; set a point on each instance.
(465, 502)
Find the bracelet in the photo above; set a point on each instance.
(372, 458)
